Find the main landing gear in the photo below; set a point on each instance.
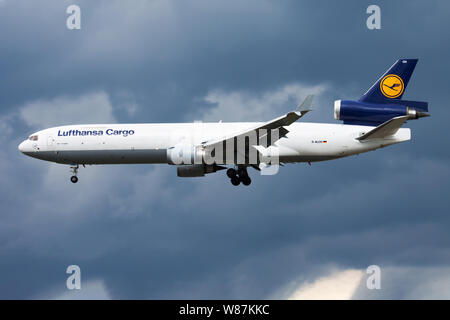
(238, 176)
(74, 178)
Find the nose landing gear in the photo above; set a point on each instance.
(238, 176)
(74, 178)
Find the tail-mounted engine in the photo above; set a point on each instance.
(374, 114)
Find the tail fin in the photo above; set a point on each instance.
(392, 84)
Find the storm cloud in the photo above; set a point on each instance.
(141, 232)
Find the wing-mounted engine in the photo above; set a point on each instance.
(197, 170)
(189, 160)
(185, 154)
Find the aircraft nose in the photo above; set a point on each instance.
(23, 146)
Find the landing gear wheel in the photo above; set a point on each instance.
(235, 181)
(242, 172)
(246, 180)
(231, 173)
(74, 169)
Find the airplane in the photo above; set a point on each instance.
(372, 122)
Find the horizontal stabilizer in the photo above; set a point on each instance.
(385, 129)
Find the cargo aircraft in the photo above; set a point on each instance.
(374, 121)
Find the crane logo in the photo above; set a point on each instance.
(392, 86)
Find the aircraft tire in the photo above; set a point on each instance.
(74, 179)
(231, 173)
(246, 180)
(235, 181)
(242, 173)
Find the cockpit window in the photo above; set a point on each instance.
(33, 138)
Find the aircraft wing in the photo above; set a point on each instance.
(385, 129)
(277, 123)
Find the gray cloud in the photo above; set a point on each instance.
(141, 232)
(66, 110)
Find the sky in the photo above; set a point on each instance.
(139, 231)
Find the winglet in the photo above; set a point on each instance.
(262, 150)
(306, 105)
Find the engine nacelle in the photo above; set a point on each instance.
(185, 154)
(197, 170)
(374, 114)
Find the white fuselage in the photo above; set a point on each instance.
(148, 143)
